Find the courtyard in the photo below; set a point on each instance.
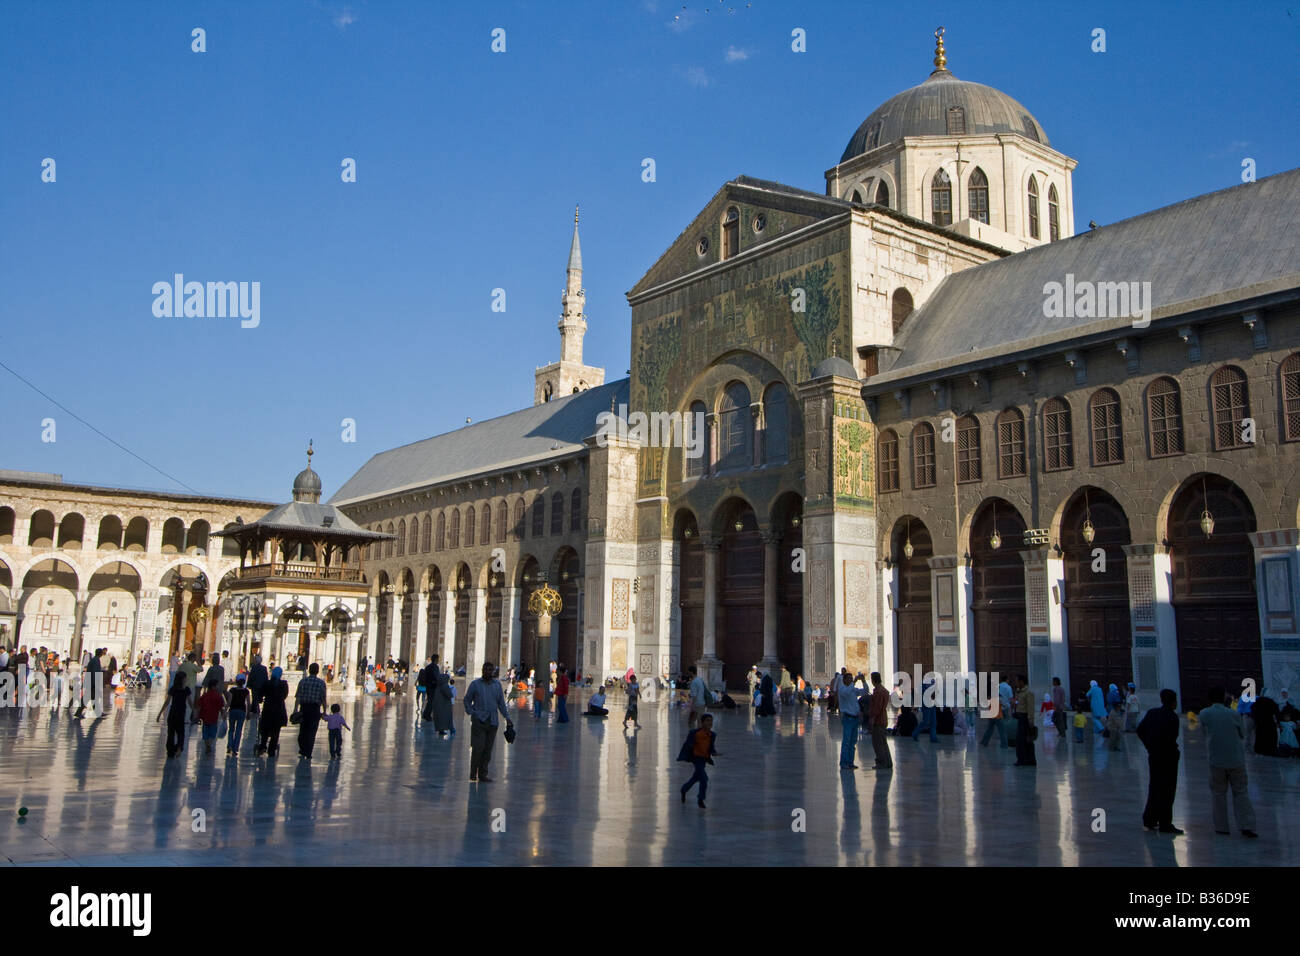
(100, 793)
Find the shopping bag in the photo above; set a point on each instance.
(221, 728)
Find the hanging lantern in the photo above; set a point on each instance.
(687, 533)
(794, 522)
(995, 540)
(1088, 531)
(908, 550)
(1207, 519)
(739, 525)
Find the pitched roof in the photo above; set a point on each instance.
(304, 517)
(1213, 249)
(550, 430)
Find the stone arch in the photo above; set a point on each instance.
(8, 522)
(41, 529)
(72, 529)
(1102, 481)
(197, 537)
(1266, 517)
(735, 502)
(136, 535)
(109, 537)
(173, 536)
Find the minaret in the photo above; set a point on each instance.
(569, 375)
(573, 322)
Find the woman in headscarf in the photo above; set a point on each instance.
(441, 694)
(1265, 711)
(274, 714)
(1096, 704)
(1113, 697)
(765, 694)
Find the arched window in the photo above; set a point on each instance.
(735, 442)
(1058, 435)
(923, 456)
(1033, 208)
(539, 515)
(941, 199)
(455, 529)
(731, 233)
(414, 544)
(882, 193)
(1165, 418)
(1011, 444)
(110, 532)
(469, 526)
(1107, 433)
(969, 463)
(485, 520)
(1053, 215)
(1230, 403)
(888, 458)
(1290, 374)
(575, 510)
(697, 440)
(956, 121)
(902, 308)
(426, 534)
(440, 536)
(863, 191)
(503, 521)
(517, 525)
(978, 194)
(557, 513)
(390, 543)
(776, 424)
(137, 535)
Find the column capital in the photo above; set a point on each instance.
(772, 538)
(711, 542)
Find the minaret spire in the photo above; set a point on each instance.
(569, 375)
(940, 58)
(575, 250)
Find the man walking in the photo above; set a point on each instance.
(1058, 707)
(1158, 732)
(257, 678)
(310, 706)
(1225, 737)
(1024, 724)
(484, 700)
(92, 685)
(426, 682)
(699, 698)
(850, 712)
(878, 715)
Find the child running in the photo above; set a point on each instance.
(633, 695)
(699, 749)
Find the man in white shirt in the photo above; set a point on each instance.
(596, 706)
(849, 719)
(699, 697)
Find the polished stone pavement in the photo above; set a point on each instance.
(100, 793)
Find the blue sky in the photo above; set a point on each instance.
(376, 296)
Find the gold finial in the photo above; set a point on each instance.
(309, 453)
(940, 61)
(575, 214)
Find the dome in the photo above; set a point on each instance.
(943, 106)
(835, 366)
(306, 487)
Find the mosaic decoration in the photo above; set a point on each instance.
(1142, 597)
(857, 594)
(618, 654)
(819, 593)
(1036, 585)
(647, 604)
(620, 591)
(854, 471)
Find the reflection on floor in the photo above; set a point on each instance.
(587, 792)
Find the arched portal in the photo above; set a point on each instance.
(464, 619)
(787, 525)
(998, 589)
(48, 604)
(529, 581)
(740, 601)
(383, 622)
(565, 580)
(406, 648)
(433, 621)
(1098, 634)
(690, 588)
(110, 613)
(914, 625)
(189, 601)
(496, 641)
(1214, 589)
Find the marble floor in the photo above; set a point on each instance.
(100, 793)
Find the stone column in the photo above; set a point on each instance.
(372, 630)
(447, 643)
(888, 577)
(710, 667)
(771, 552)
(421, 637)
(1043, 639)
(79, 622)
(186, 596)
(511, 624)
(395, 649)
(1155, 643)
(953, 650)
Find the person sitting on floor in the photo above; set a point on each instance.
(596, 706)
